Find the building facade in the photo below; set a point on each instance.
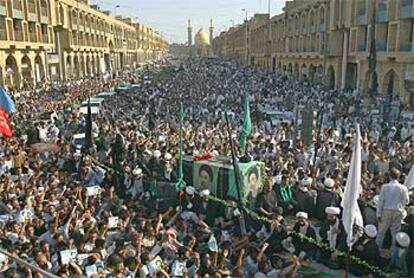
(59, 39)
(328, 41)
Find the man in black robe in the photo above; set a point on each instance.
(303, 248)
(333, 234)
(304, 198)
(326, 198)
(366, 249)
(205, 208)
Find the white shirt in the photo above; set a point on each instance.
(393, 196)
(42, 134)
(271, 274)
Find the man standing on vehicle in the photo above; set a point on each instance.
(393, 199)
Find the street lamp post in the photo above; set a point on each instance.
(246, 55)
(116, 40)
(269, 36)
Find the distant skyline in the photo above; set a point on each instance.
(170, 16)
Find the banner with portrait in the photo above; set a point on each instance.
(217, 175)
(205, 175)
(251, 180)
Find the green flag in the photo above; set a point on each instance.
(153, 187)
(180, 183)
(247, 123)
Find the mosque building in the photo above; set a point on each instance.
(198, 45)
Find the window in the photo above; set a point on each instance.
(406, 3)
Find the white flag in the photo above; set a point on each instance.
(351, 214)
(409, 180)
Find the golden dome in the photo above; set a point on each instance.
(201, 38)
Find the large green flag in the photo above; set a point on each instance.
(180, 183)
(247, 123)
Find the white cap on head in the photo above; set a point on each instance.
(190, 190)
(403, 239)
(137, 171)
(156, 154)
(333, 210)
(329, 183)
(278, 179)
(236, 212)
(370, 230)
(205, 192)
(307, 181)
(375, 200)
(302, 214)
(168, 157)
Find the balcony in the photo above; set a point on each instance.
(31, 17)
(362, 47)
(44, 19)
(18, 35)
(17, 14)
(32, 36)
(406, 47)
(406, 12)
(3, 10)
(362, 16)
(382, 16)
(381, 46)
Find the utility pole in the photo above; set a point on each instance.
(372, 59)
(246, 41)
(269, 37)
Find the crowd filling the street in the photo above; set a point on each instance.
(142, 173)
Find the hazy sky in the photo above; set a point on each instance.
(170, 16)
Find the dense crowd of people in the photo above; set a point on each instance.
(99, 212)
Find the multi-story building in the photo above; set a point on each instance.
(58, 39)
(329, 41)
(238, 40)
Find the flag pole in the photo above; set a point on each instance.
(180, 183)
(318, 139)
(247, 126)
(348, 262)
(237, 178)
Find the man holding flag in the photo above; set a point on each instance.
(351, 214)
(6, 106)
